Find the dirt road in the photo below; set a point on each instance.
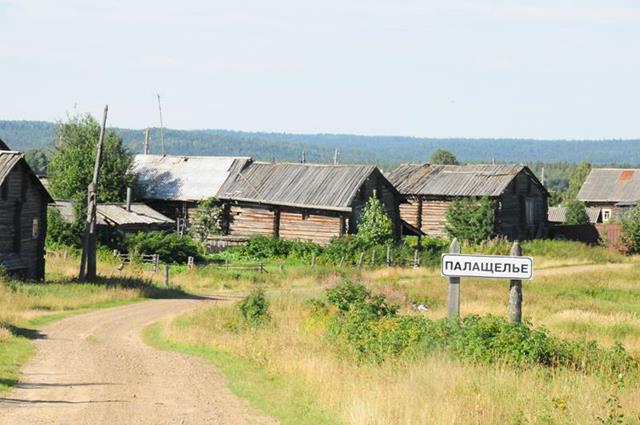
(95, 369)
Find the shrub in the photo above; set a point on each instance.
(631, 230)
(351, 296)
(254, 308)
(260, 247)
(470, 219)
(375, 227)
(576, 213)
(207, 219)
(171, 247)
(61, 233)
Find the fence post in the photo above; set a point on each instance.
(454, 286)
(373, 257)
(388, 255)
(341, 262)
(313, 259)
(416, 259)
(361, 259)
(515, 290)
(154, 264)
(281, 268)
(261, 267)
(166, 275)
(190, 262)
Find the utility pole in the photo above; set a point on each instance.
(88, 262)
(161, 126)
(145, 149)
(335, 156)
(304, 159)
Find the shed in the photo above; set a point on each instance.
(173, 185)
(23, 217)
(139, 217)
(557, 215)
(520, 200)
(315, 202)
(613, 190)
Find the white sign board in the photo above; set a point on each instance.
(490, 266)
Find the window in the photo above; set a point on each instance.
(530, 211)
(606, 215)
(35, 228)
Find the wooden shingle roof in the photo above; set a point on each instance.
(456, 180)
(611, 185)
(320, 186)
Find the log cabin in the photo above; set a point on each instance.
(520, 200)
(613, 190)
(173, 185)
(23, 217)
(302, 201)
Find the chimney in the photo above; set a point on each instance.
(128, 199)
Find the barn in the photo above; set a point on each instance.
(23, 217)
(173, 185)
(315, 202)
(520, 200)
(612, 190)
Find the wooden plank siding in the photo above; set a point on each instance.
(318, 228)
(247, 220)
(23, 222)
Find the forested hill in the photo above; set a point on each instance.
(384, 150)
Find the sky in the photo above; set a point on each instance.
(427, 68)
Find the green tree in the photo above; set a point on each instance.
(555, 198)
(471, 219)
(576, 213)
(207, 219)
(631, 230)
(577, 179)
(376, 228)
(444, 157)
(37, 160)
(72, 161)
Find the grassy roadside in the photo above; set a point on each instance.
(268, 392)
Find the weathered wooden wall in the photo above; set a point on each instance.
(22, 202)
(248, 220)
(315, 227)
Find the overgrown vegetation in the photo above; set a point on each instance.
(375, 227)
(206, 221)
(576, 213)
(631, 230)
(171, 248)
(470, 219)
(254, 308)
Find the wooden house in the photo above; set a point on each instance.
(520, 200)
(23, 217)
(315, 202)
(613, 190)
(173, 185)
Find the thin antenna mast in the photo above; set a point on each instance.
(161, 125)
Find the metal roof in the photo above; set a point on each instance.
(183, 178)
(611, 185)
(9, 159)
(116, 214)
(322, 186)
(559, 214)
(455, 180)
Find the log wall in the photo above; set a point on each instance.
(22, 205)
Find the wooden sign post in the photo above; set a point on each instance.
(454, 286)
(515, 267)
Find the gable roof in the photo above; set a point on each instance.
(3, 146)
(320, 186)
(9, 160)
(611, 185)
(183, 178)
(456, 180)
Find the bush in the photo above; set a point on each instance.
(375, 227)
(576, 213)
(207, 219)
(631, 230)
(61, 233)
(470, 219)
(261, 247)
(171, 247)
(373, 334)
(254, 308)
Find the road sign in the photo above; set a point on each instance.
(487, 266)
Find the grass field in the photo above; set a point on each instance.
(581, 302)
